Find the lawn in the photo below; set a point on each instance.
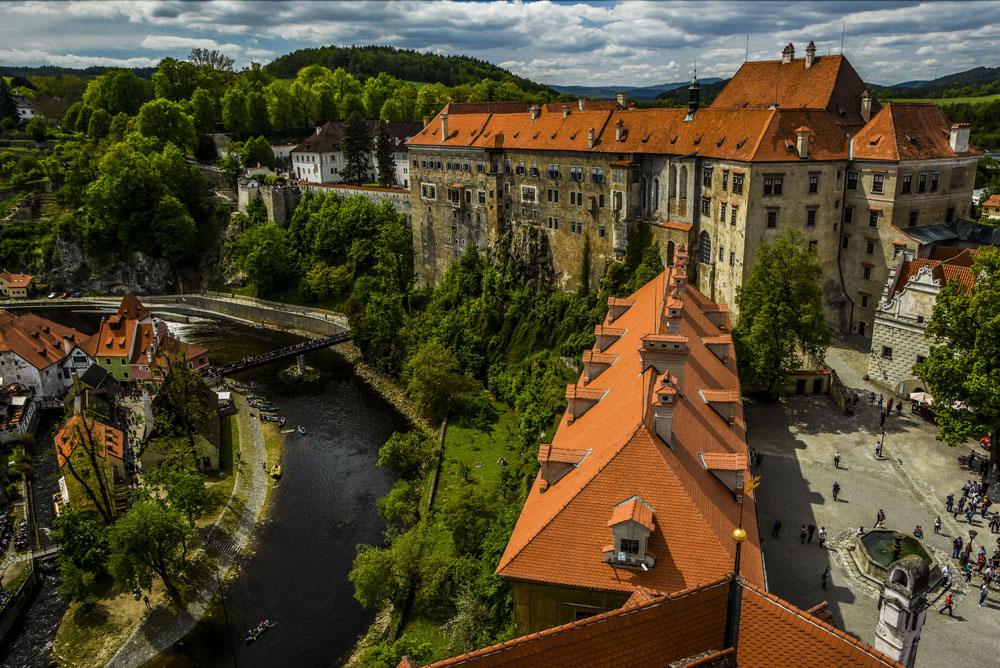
(944, 101)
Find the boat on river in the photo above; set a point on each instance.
(240, 386)
(276, 471)
(269, 418)
(259, 405)
(254, 634)
(256, 397)
(302, 430)
(282, 421)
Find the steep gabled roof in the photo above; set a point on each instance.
(682, 629)
(114, 337)
(329, 135)
(695, 513)
(132, 308)
(907, 131)
(955, 268)
(16, 280)
(106, 439)
(36, 340)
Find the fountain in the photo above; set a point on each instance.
(875, 550)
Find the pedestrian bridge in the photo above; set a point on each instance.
(255, 361)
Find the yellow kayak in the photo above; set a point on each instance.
(276, 471)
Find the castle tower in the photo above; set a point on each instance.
(694, 98)
(902, 609)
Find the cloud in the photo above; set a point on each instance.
(33, 57)
(259, 53)
(164, 42)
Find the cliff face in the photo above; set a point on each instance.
(71, 269)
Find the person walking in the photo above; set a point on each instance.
(836, 490)
(949, 502)
(888, 408)
(969, 514)
(945, 576)
(812, 529)
(881, 422)
(822, 536)
(956, 547)
(826, 576)
(899, 408)
(879, 516)
(802, 534)
(984, 591)
(968, 573)
(145, 599)
(777, 528)
(937, 524)
(947, 605)
(871, 398)
(836, 459)
(878, 449)
(880, 399)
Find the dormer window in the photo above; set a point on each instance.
(631, 524)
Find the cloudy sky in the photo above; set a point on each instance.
(572, 42)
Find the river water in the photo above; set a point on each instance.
(294, 572)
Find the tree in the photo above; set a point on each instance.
(279, 105)
(174, 80)
(173, 229)
(179, 409)
(400, 508)
(385, 161)
(258, 121)
(407, 453)
(166, 121)
(268, 260)
(234, 111)
(357, 145)
(99, 125)
(305, 103)
(436, 380)
(212, 59)
(92, 474)
(76, 584)
(8, 107)
(468, 516)
(37, 129)
(203, 110)
(118, 90)
(384, 575)
(151, 539)
(781, 313)
(963, 365)
(83, 542)
(180, 488)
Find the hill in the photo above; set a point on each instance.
(679, 96)
(53, 71)
(368, 61)
(971, 83)
(639, 93)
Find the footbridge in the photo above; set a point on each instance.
(276, 355)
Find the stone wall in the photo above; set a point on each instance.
(400, 199)
(895, 373)
(286, 316)
(19, 601)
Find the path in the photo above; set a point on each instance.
(163, 627)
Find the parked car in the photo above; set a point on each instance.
(76, 294)
(64, 295)
(53, 295)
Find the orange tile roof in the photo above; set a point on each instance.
(682, 628)
(132, 308)
(907, 131)
(634, 509)
(16, 280)
(115, 336)
(992, 200)
(107, 439)
(957, 267)
(722, 461)
(36, 340)
(628, 459)
(831, 84)
(143, 344)
(546, 453)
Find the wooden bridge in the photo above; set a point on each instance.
(44, 554)
(275, 355)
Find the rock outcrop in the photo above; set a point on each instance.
(72, 269)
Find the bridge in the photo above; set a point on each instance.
(275, 355)
(44, 554)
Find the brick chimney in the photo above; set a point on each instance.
(619, 126)
(427, 120)
(582, 104)
(590, 138)
(444, 126)
(788, 54)
(621, 100)
(664, 400)
(810, 55)
(866, 105)
(534, 111)
(666, 352)
(959, 139)
(802, 142)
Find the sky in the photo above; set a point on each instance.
(561, 43)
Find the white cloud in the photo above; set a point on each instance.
(39, 57)
(163, 42)
(259, 53)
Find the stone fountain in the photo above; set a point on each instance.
(874, 550)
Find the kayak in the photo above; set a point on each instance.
(302, 430)
(276, 471)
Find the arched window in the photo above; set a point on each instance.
(705, 244)
(684, 182)
(670, 253)
(642, 193)
(672, 188)
(656, 194)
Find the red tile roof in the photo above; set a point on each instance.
(686, 628)
(953, 268)
(132, 308)
(16, 280)
(114, 337)
(106, 439)
(992, 200)
(907, 131)
(36, 340)
(636, 510)
(695, 513)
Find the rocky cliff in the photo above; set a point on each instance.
(71, 269)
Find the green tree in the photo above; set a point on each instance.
(385, 162)
(83, 542)
(203, 110)
(235, 114)
(305, 103)
(37, 129)
(119, 126)
(173, 229)
(8, 107)
(435, 380)
(165, 121)
(258, 120)
(407, 453)
(118, 90)
(100, 124)
(781, 313)
(400, 508)
(357, 145)
(257, 151)
(279, 105)
(376, 91)
(268, 262)
(180, 408)
(963, 365)
(469, 516)
(180, 488)
(211, 59)
(150, 540)
(76, 584)
(174, 80)
(384, 575)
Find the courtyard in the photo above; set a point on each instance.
(798, 438)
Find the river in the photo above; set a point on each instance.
(295, 569)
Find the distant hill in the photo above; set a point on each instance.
(910, 84)
(368, 61)
(679, 96)
(639, 93)
(975, 82)
(53, 71)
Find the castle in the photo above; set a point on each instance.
(795, 142)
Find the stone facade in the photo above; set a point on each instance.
(538, 606)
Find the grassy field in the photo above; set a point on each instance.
(945, 101)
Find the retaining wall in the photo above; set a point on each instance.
(285, 316)
(19, 601)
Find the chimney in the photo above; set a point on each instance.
(444, 126)
(621, 100)
(590, 138)
(534, 110)
(959, 140)
(810, 55)
(582, 104)
(664, 400)
(802, 142)
(618, 130)
(788, 54)
(66, 346)
(866, 105)
(427, 120)
(666, 352)
(565, 110)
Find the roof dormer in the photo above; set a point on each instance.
(556, 462)
(728, 467)
(719, 345)
(665, 353)
(617, 306)
(606, 336)
(631, 524)
(724, 402)
(718, 314)
(594, 364)
(581, 400)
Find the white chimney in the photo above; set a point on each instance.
(66, 346)
(618, 130)
(534, 110)
(565, 110)
(582, 104)
(788, 54)
(427, 120)
(590, 138)
(664, 401)
(810, 55)
(444, 126)
(802, 142)
(621, 100)
(866, 105)
(959, 140)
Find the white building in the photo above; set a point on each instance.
(26, 108)
(320, 158)
(17, 412)
(32, 352)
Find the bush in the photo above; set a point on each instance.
(13, 491)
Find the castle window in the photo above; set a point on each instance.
(553, 171)
(934, 181)
(870, 247)
(852, 180)
(629, 546)
(575, 173)
(705, 246)
(465, 165)
(848, 214)
(482, 197)
(706, 177)
(913, 218)
(732, 215)
(600, 200)
(722, 252)
(479, 166)
(949, 214)
(878, 183)
(725, 179)
(722, 212)
(866, 272)
(907, 180)
(706, 206)
(887, 352)
(772, 217)
(811, 217)
(534, 168)
(448, 162)
(865, 299)
(600, 231)
(844, 240)
(922, 183)
(738, 184)
(772, 185)
(873, 218)
(520, 167)
(552, 195)
(597, 175)
(813, 184)
(506, 167)
(527, 194)
(732, 258)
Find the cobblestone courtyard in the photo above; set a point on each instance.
(798, 437)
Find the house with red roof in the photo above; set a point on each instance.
(14, 286)
(91, 458)
(991, 207)
(32, 352)
(643, 482)
(907, 304)
(791, 143)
